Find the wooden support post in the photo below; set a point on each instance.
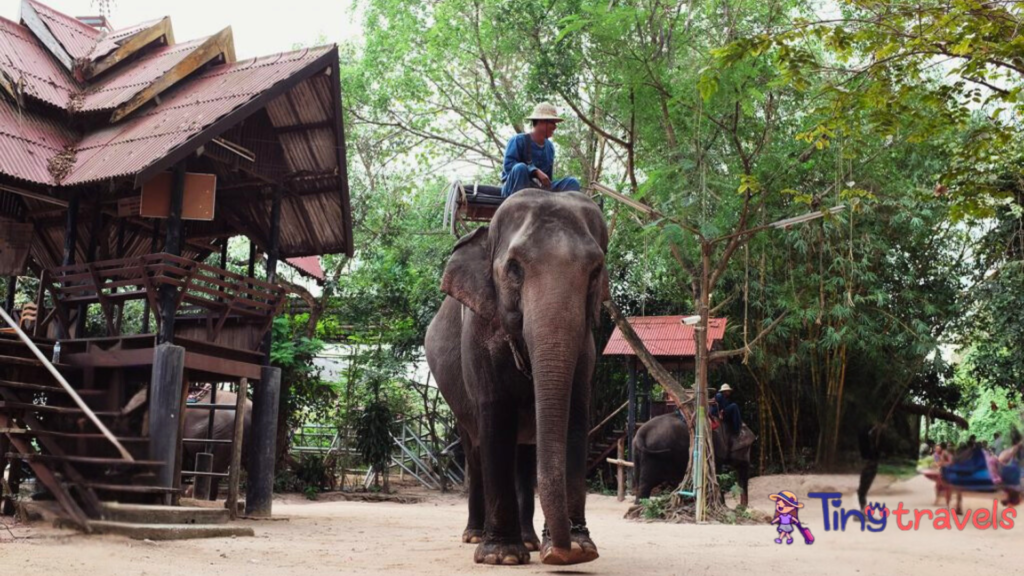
(90, 256)
(212, 417)
(631, 417)
(152, 250)
(172, 246)
(237, 445)
(263, 445)
(71, 230)
(251, 270)
(12, 288)
(204, 463)
(165, 409)
(620, 475)
(272, 254)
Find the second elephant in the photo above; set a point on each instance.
(661, 452)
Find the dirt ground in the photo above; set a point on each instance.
(347, 537)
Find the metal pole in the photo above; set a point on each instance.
(701, 330)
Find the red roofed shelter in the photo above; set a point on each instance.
(127, 158)
(669, 340)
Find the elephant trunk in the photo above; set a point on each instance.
(553, 335)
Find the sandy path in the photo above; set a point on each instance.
(397, 539)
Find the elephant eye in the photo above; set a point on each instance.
(514, 271)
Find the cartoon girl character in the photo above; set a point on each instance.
(786, 515)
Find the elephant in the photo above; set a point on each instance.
(513, 353)
(661, 452)
(196, 426)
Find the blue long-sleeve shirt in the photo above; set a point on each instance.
(539, 157)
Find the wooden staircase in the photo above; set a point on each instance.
(41, 425)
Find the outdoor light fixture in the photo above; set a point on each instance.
(691, 320)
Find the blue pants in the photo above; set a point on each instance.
(731, 415)
(520, 178)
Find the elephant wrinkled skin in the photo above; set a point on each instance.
(513, 354)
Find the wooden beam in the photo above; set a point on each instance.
(134, 43)
(172, 246)
(31, 19)
(302, 127)
(220, 44)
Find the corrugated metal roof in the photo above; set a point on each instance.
(664, 336)
(109, 43)
(120, 85)
(308, 265)
(294, 138)
(77, 37)
(126, 148)
(23, 57)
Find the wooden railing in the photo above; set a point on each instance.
(205, 294)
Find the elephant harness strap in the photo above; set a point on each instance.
(522, 363)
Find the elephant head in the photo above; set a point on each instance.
(538, 276)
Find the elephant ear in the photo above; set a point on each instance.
(597, 295)
(467, 278)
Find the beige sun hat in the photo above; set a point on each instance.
(725, 388)
(545, 111)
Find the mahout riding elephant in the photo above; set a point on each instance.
(513, 354)
(661, 452)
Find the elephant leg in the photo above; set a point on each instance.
(503, 539)
(474, 533)
(583, 548)
(526, 480)
(743, 478)
(867, 477)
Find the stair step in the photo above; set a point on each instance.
(157, 532)
(33, 361)
(142, 514)
(42, 408)
(127, 488)
(33, 387)
(71, 435)
(84, 460)
(9, 341)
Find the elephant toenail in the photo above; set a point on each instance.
(510, 561)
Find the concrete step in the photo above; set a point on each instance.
(158, 532)
(164, 515)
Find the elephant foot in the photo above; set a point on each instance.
(472, 536)
(581, 549)
(503, 553)
(531, 541)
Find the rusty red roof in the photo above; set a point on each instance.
(77, 37)
(309, 266)
(121, 112)
(129, 147)
(24, 60)
(664, 336)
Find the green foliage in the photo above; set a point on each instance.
(655, 508)
(373, 436)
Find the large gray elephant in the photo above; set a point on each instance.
(661, 452)
(197, 426)
(513, 354)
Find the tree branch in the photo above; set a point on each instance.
(730, 353)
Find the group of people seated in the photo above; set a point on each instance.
(978, 465)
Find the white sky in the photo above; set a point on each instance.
(260, 27)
